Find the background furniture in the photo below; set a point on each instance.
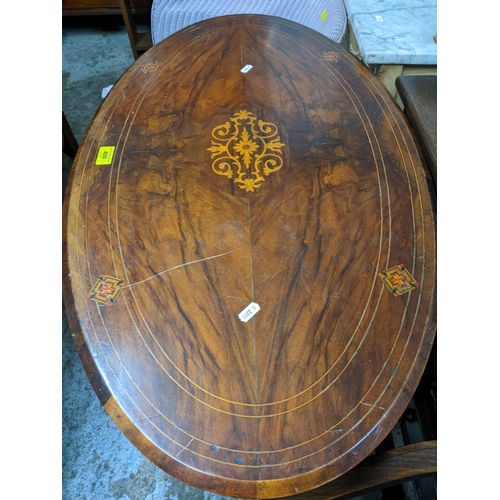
(327, 17)
(139, 41)
(394, 38)
(168, 16)
(102, 7)
(419, 97)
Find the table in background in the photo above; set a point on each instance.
(394, 37)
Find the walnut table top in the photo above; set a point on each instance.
(249, 263)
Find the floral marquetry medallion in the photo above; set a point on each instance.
(247, 150)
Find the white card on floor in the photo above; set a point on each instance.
(249, 312)
(246, 68)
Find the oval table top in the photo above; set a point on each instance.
(250, 257)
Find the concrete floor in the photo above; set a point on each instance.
(99, 463)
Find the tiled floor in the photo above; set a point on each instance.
(99, 463)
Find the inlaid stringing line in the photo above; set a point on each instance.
(144, 89)
(419, 296)
(105, 108)
(423, 228)
(404, 162)
(416, 176)
(326, 373)
(267, 404)
(337, 376)
(229, 449)
(147, 86)
(413, 213)
(409, 185)
(117, 101)
(107, 105)
(422, 278)
(132, 113)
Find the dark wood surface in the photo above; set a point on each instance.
(387, 469)
(292, 186)
(419, 96)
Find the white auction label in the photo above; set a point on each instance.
(249, 312)
(246, 68)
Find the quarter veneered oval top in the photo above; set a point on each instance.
(249, 160)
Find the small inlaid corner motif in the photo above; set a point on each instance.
(331, 56)
(247, 150)
(106, 290)
(398, 280)
(150, 67)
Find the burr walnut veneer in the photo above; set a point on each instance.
(295, 185)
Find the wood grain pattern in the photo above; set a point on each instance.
(385, 470)
(309, 386)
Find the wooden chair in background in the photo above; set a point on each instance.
(139, 42)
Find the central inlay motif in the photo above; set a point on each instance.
(245, 148)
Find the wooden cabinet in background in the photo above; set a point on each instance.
(139, 42)
(101, 7)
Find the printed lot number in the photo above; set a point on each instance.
(105, 155)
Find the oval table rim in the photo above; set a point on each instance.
(237, 488)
